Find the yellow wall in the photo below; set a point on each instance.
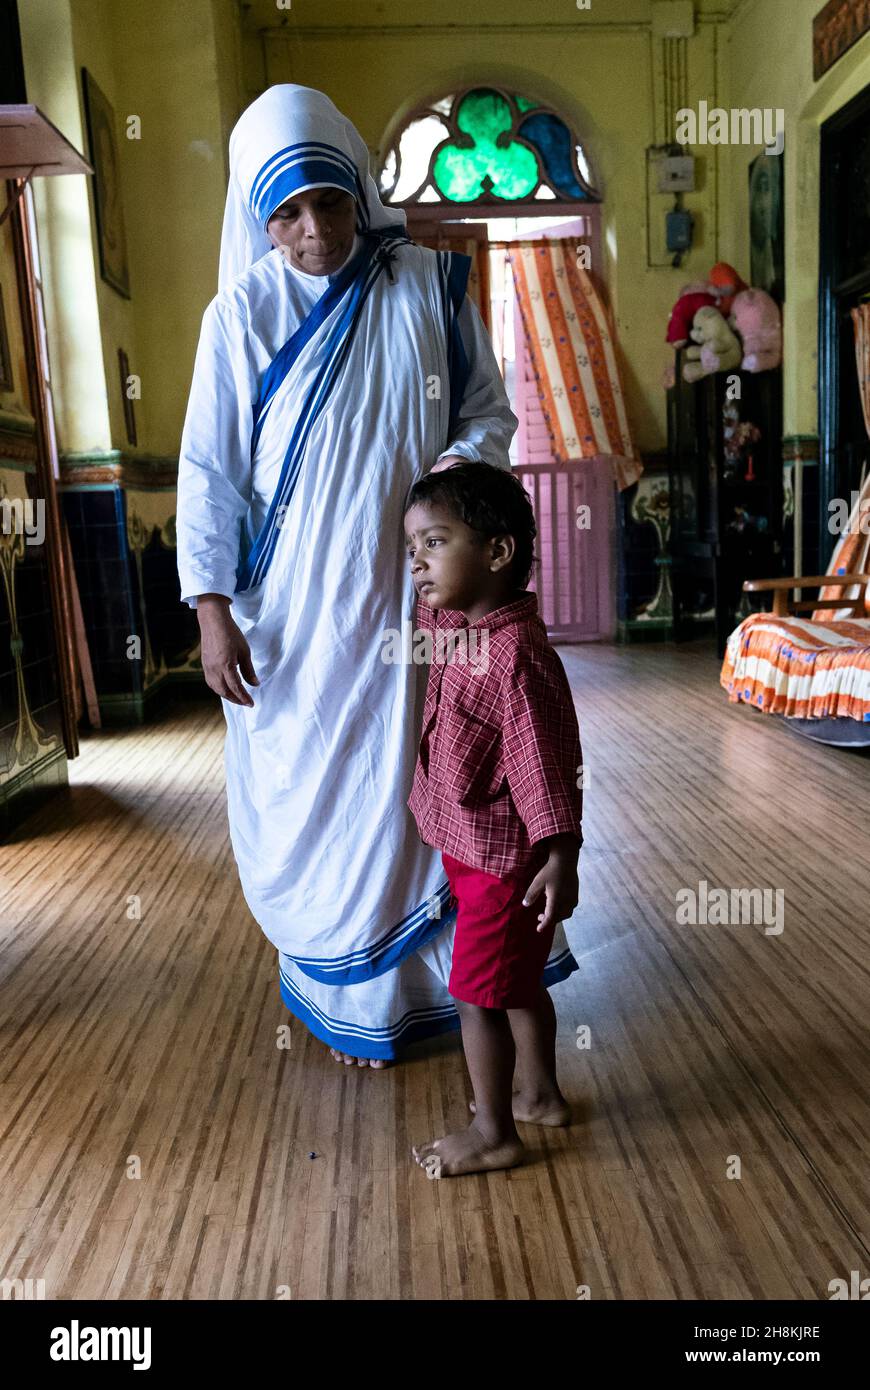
(174, 66)
(75, 311)
(177, 189)
(769, 63)
(187, 70)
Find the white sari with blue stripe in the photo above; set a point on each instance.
(315, 403)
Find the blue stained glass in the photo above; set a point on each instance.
(552, 140)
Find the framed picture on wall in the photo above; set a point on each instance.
(835, 28)
(126, 398)
(767, 225)
(107, 187)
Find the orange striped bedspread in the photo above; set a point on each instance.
(801, 668)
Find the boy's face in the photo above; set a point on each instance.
(451, 565)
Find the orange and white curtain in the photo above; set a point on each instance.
(478, 277)
(573, 351)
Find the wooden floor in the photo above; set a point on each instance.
(155, 1039)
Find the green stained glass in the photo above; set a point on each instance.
(484, 114)
(487, 160)
(487, 143)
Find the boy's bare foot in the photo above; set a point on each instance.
(467, 1152)
(377, 1062)
(550, 1109)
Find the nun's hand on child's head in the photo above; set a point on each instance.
(558, 881)
(447, 462)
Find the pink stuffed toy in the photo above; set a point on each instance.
(755, 316)
(692, 298)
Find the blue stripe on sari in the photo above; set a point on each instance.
(354, 281)
(297, 166)
(439, 896)
(401, 941)
(384, 1043)
(454, 268)
(287, 355)
(381, 1043)
(260, 556)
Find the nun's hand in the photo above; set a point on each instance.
(226, 656)
(447, 462)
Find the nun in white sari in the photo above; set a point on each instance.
(316, 400)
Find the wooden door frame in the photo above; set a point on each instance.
(23, 230)
(418, 213)
(830, 295)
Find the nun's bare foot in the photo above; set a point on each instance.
(541, 1108)
(349, 1060)
(467, 1152)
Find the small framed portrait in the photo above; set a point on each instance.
(107, 187)
(6, 382)
(835, 28)
(767, 225)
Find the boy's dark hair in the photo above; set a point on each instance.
(492, 501)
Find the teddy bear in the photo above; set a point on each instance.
(692, 298)
(724, 283)
(715, 348)
(756, 318)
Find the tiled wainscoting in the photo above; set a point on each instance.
(121, 520)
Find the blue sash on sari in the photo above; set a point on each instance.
(347, 292)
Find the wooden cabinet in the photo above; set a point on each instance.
(726, 495)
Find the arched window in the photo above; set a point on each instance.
(486, 146)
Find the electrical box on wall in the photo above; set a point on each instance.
(673, 19)
(668, 171)
(676, 173)
(678, 230)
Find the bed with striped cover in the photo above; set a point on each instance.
(799, 667)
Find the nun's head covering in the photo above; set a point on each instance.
(290, 139)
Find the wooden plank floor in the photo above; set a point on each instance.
(148, 1044)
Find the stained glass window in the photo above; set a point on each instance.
(486, 145)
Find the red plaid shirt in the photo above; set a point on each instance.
(500, 753)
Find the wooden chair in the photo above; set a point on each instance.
(845, 655)
(784, 605)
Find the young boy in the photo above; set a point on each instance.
(496, 790)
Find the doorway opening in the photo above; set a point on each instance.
(498, 304)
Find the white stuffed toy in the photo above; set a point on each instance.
(714, 347)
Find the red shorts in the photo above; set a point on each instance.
(498, 953)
